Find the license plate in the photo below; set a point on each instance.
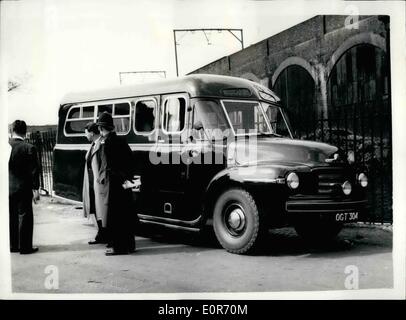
(347, 216)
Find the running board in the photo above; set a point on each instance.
(172, 226)
(172, 221)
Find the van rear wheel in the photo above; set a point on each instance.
(237, 222)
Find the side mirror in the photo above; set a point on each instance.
(198, 125)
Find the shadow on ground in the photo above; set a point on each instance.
(285, 242)
(278, 242)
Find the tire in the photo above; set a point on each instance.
(318, 231)
(237, 222)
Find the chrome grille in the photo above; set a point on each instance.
(330, 181)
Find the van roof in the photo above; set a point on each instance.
(197, 85)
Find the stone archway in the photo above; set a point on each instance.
(294, 61)
(296, 88)
(359, 39)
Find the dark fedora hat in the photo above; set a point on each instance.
(106, 121)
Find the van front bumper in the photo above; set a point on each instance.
(323, 205)
(340, 211)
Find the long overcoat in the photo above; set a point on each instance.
(116, 167)
(101, 191)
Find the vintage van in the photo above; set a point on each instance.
(215, 150)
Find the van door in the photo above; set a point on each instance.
(145, 126)
(169, 170)
(205, 150)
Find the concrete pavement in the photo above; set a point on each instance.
(174, 262)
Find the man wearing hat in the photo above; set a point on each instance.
(116, 170)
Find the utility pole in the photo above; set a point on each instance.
(231, 31)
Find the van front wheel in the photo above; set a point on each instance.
(237, 222)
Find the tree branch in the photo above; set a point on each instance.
(12, 85)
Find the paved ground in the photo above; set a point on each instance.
(170, 262)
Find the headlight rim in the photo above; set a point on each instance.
(359, 179)
(289, 180)
(343, 187)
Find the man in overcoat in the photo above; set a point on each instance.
(23, 170)
(116, 172)
(94, 194)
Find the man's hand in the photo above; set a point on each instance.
(35, 195)
(134, 184)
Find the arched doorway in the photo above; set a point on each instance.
(295, 86)
(359, 119)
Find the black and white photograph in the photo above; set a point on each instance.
(202, 150)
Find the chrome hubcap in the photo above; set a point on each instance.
(236, 219)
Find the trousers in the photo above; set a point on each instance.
(21, 220)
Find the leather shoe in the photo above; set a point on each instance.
(14, 250)
(100, 239)
(29, 251)
(112, 252)
(94, 242)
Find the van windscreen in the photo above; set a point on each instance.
(213, 119)
(246, 117)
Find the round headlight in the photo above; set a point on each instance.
(292, 180)
(347, 188)
(363, 180)
(350, 157)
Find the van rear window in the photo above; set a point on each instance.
(76, 127)
(78, 117)
(74, 113)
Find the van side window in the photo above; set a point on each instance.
(74, 113)
(104, 108)
(120, 113)
(77, 118)
(121, 117)
(145, 113)
(174, 114)
(88, 112)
